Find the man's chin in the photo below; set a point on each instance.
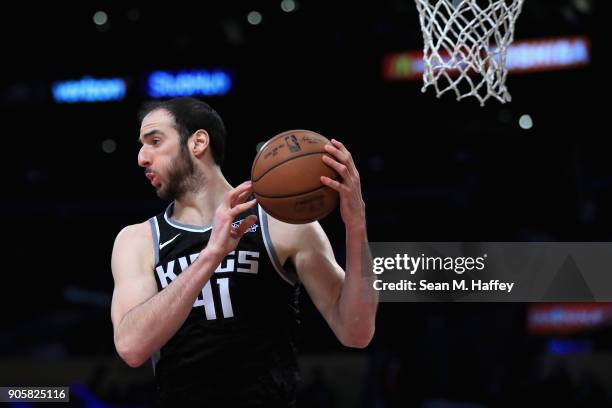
(166, 194)
(162, 193)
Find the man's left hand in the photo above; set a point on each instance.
(352, 206)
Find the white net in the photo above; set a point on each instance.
(465, 44)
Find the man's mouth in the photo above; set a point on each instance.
(152, 177)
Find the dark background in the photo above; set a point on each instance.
(432, 170)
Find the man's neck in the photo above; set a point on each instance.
(198, 207)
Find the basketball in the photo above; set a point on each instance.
(286, 177)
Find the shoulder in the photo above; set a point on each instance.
(292, 238)
(134, 242)
(135, 234)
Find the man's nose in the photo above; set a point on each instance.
(144, 159)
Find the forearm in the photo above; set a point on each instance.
(358, 300)
(148, 326)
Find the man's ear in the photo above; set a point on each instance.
(199, 142)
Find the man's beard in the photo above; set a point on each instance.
(182, 177)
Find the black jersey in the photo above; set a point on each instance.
(237, 346)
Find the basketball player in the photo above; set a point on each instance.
(208, 289)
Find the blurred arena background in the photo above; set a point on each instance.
(536, 169)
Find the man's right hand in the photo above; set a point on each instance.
(224, 238)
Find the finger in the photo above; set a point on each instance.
(234, 193)
(240, 208)
(246, 224)
(333, 184)
(242, 197)
(336, 153)
(340, 168)
(340, 146)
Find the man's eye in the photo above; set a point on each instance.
(156, 141)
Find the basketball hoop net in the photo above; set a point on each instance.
(465, 46)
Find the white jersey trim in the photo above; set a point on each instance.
(263, 221)
(181, 226)
(155, 231)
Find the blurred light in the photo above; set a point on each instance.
(568, 346)
(100, 18)
(405, 66)
(584, 6)
(109, 146)
(259, 146)
(163, 84)
(288, 5)
(547, 54)
(568, 318)
(133, 14)
(88, 90)
(525, 122)
(254, 17)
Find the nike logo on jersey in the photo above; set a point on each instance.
(252, 228)
(161, 246)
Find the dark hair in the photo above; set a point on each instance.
(190, 115)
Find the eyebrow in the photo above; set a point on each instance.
(149, 134)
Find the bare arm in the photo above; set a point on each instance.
(347, 300)
(358, 300)
(143, 319)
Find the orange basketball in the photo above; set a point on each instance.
(286, 177)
